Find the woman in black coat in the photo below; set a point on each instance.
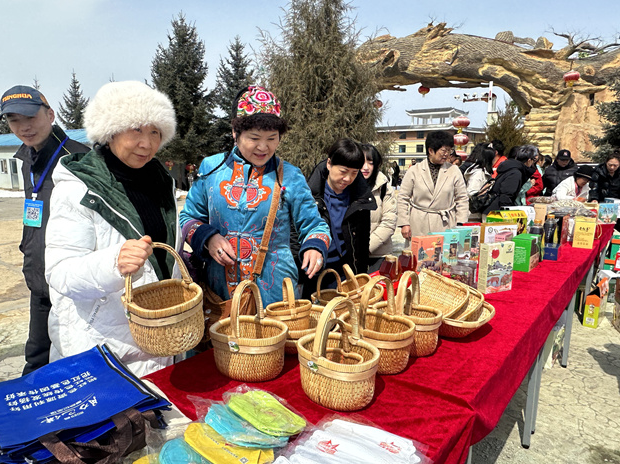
(605, 179)
(511, 175)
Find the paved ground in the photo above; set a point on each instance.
(579, 409)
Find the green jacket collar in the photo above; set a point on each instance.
(107, 197)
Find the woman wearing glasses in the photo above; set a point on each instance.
(432, 196)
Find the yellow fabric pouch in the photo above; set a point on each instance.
(212, 446)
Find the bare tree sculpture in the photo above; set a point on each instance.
(531, 74)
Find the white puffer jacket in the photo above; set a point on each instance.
(85, 285)
(383, 219)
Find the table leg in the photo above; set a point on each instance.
(531, 404)
(470, 455)
(589, 278)
(570, 309)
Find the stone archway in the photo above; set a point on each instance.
(557, 116)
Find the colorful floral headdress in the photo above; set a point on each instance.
(257, 100)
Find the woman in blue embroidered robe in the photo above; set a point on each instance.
(227, 207)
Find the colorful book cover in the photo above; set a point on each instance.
(475, 239)
(492, 232)
(429, 250)
(608, 213)
(464, 248)
(496, 264)
(449, 250)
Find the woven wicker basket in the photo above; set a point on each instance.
(355, 284)
(295, 335)
(351, 288)
(439, 292)
(248, 348)
(459, 329)
(426, 318)
(386, 328)
(294, 313)
(472, 311)
(322, 297)
(165, 318)
(338, 370)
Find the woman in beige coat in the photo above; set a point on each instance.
(433, 196)
(382, 219)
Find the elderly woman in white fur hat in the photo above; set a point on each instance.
(108, 206)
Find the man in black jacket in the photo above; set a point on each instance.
(562, 168)
(511, 175)
(344, 200)
(606, 179)
(31, 119)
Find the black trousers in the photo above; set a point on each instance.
(38, 344)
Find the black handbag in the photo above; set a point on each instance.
(483, 198)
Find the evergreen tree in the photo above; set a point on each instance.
(610, 112)
(179, 71)
(508, 127)
(324, 91)
(4, 126)
(233, 74)
(35, 83)
(71, 113)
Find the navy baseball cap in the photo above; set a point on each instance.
(23, 100)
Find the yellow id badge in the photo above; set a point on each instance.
(33, 213)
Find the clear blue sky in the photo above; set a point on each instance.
(104, 38)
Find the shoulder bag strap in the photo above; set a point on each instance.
(273, 209)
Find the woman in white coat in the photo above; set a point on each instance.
(575, 187)
(479, 172)
(432, 195)
(107, 207)
(382, 219)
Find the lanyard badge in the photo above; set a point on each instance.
(33, 213)
(33, 209)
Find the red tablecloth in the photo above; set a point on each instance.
(449, 400)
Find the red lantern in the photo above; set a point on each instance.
(378, 104)
(169, 165)
(570, 77)
(461, 123)
(423, 90)
(462, 154)
(460, 139)
(485, 97)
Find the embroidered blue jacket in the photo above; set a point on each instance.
(231, 197)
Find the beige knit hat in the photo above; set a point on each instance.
(119, 106)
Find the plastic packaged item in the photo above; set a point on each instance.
(212, 446)
(265, 412)
(238, 431)
(462, 274)
(473, 265)
(389, 268)
(177, 451)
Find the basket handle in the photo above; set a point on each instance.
(288, 293)
(365, 300)
(348, 273)
(320, 280)
(327, 323)
(403, 292)
(236, 304)
(187, 280)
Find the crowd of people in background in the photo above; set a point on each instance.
(92, 215)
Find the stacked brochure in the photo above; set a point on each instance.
(74, 399)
